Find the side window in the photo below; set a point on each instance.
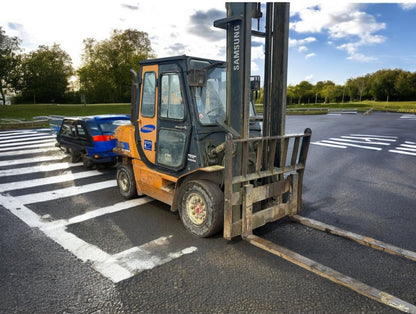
(66, 129)
(171, 147)
(81, 132)
(149, 95)
(172, 106)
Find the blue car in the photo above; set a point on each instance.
(90, 139)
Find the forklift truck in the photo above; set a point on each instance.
(196, 143)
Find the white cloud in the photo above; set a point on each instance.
(309, 78)
(68, 23)
(301, 42)
(310, 55)
(302, 49)
(342, 22)
(408, 6)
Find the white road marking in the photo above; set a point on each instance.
(378, 136)
(41, 168)
(29, 151)
(411, 143)
(328, 145)
(149, 255)
(360, 142)
(352, 145)
(27, 146)
(10, 186)
(27, 138)
(117, 267)
(66, 192)
(108, 210)
(369, 139)
(401, 152)
(406, 148)
(23, 161)
(28, 143)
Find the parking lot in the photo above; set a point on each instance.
(78, 246)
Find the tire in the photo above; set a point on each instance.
(75, 155)
(202, 207)
(125, 181)
(87, 162)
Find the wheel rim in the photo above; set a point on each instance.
(196, 209)
(123, 181)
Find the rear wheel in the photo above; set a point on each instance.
(125, 181)
(202, 207)
(75, 155)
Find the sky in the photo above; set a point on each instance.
(328, 40)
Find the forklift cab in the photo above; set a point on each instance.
(179, 113)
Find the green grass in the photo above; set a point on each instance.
(28, 112)
(394, 106)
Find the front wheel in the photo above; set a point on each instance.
(202, 207)
(125, 181)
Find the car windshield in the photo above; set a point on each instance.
(211, 98)
(109, 126)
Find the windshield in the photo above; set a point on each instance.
(211, 99)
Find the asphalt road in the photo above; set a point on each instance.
(70, 244)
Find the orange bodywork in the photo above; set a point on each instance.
(150, 182)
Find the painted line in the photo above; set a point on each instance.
(35, 141)
(149, 255)
(108, 210)
(328, 145)
(28, 138)
(65, 192)
(361, 142)
(407, 145)
(27, 146)
(352, 145)
(412, 143)
(29, 151)
(401, 152)
(6, 133)
(23, 161)
(10, 186)
(117, 267)
(378, 136)
(366, 138)
(41, 168)
(407, 149)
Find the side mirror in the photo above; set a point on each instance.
(197, 77)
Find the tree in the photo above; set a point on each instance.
(105, 73)
(46, 72)
(9, 62)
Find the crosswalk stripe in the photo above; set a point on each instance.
(352, 145)
(26, 138)
(28, 143)
(23, 161)
(402, 152)
(16, 148)
(41, 168)
(29, 151)
(10, 186)
(61, 193)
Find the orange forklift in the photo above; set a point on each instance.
(197, 144)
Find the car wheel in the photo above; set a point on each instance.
(125, 181)
(202, 207)
(75, 155)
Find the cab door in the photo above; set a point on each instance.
(173, 121)
(147, 115)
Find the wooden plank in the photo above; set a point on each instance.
(333, 275)
(370, 242)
